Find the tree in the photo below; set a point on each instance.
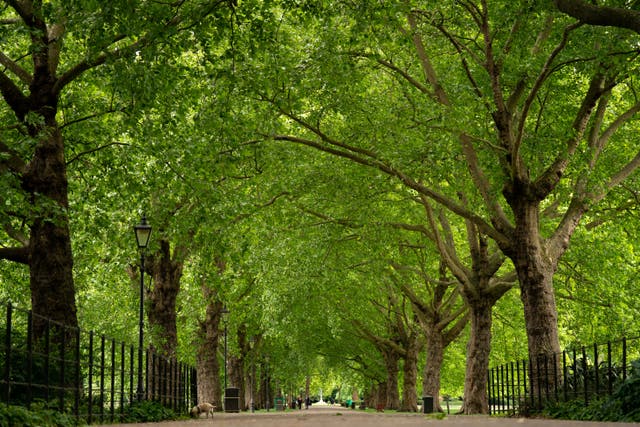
(513, 71)
(34, 147)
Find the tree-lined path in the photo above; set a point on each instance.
(334, 416)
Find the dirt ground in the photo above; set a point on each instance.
(335, 416)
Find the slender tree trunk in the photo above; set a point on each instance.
(391, 359)
(431, 374)
(410, 375)
(478, 350)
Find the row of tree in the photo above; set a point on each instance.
(322, 171)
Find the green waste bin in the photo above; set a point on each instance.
(278, 403)
(427, 404)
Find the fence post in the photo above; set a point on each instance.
(518, 382)
(63, 362)
(555, 376)
(47, 360)
(564, 374)
(146, 375)
(122, 375)
(102, 363)
(29, 358)
(7, 354)
(624, 359)
(112, 374)
(76, 404)
(90, 382)
(596, 369)
(489, 386)
(131, 356)
(585, 376)
(610, 371)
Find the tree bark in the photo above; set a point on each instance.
(478, 351)
(208, 366)
(410, 375)
(431, 374)
(50, 254)
(391, 359)
(535, 267)
(161, 299)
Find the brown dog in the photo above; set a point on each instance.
(205, 407)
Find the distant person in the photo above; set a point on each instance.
(308, 402)
(299, 402)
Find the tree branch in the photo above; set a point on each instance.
(22, 74)
(19, 255)
(592, 14)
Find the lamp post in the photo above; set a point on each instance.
(143, 233)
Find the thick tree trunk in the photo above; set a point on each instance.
(50, 255)
(161, 300)
(535, 267)
(431, 374)
(410, 375)
(235, 373)
(478, 351)
(391, 359)
(208, 366)
(381, 394)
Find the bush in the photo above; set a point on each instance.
(148, 411)
(18, 416)
(621, 406)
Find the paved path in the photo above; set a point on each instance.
(328, 416)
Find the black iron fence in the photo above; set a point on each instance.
(580, 374)
(90, 376)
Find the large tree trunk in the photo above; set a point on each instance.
(50, 257)
(161, 299)
(381, 395)
(535, 267)
(410, 375)
(391, 359)
(431, 374)
(478, 350)
(208, 366)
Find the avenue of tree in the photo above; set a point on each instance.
(386, 195)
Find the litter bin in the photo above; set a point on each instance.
(232, 400)
(278, 403)
(427, 404)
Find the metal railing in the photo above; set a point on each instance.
(579, 374)
(90, 376)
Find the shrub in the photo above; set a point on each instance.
(621, 406)
(148, 411)
(18, 416)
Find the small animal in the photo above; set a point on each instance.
(205, 407)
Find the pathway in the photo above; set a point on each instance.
(335, 416)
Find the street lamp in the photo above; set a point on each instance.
(143, 233)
